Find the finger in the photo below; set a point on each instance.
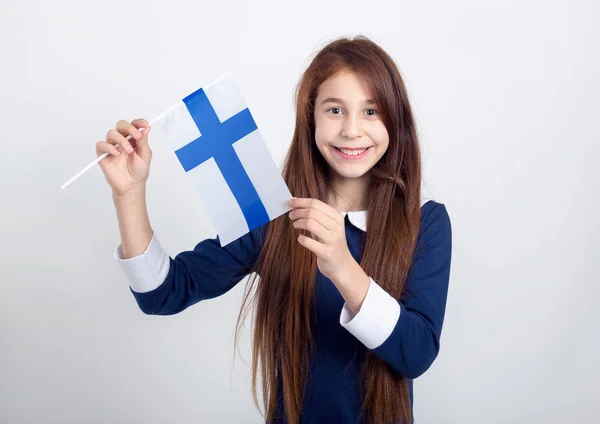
(128, 130)
(142, 147)
(140, 123)
(304, 203)
(115, 137)
(312, 245)
(104, 147)
(323, 219)
(315, 228)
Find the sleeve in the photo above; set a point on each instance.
(406, 333)
(377, 317)
(147, 271)
(163, 285)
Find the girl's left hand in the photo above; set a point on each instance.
(329, 242)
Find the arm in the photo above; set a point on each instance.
(406, 333)
(163, 285)
(134, 224)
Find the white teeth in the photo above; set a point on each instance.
(352, 152)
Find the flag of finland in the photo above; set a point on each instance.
(221, 149)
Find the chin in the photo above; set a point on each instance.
(351, 172)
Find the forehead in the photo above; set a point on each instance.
(346, 86)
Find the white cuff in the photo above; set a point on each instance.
(377, 318)
(146, 271)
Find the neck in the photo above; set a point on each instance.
(348, 194)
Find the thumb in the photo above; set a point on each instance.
(142, 147)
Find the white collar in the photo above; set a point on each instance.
(359, 218)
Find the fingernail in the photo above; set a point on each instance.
(129, 149)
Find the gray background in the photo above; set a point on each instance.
(506, 96)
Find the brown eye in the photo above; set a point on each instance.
(374, 112)
(335, 109)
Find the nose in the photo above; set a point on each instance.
(351, 128)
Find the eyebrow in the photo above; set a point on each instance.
(336, 100)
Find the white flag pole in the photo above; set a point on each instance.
(103, 155)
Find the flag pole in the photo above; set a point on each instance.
(103, 155)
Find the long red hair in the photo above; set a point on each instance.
(286, 271)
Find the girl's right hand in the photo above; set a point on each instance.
(127, 166)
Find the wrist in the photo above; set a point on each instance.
(348, 273)
(130, 196)
(353, 284)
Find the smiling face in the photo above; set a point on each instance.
(349, 131)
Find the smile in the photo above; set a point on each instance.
(355, 153)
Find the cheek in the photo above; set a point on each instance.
(380, 136)
(323, 136)
(385, 142)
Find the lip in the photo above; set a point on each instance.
(348, 157)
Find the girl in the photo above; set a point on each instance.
(352, 286)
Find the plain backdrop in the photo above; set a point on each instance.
(506, 96)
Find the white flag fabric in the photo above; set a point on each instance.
(222, 151)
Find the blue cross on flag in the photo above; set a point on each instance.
(217, 142)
